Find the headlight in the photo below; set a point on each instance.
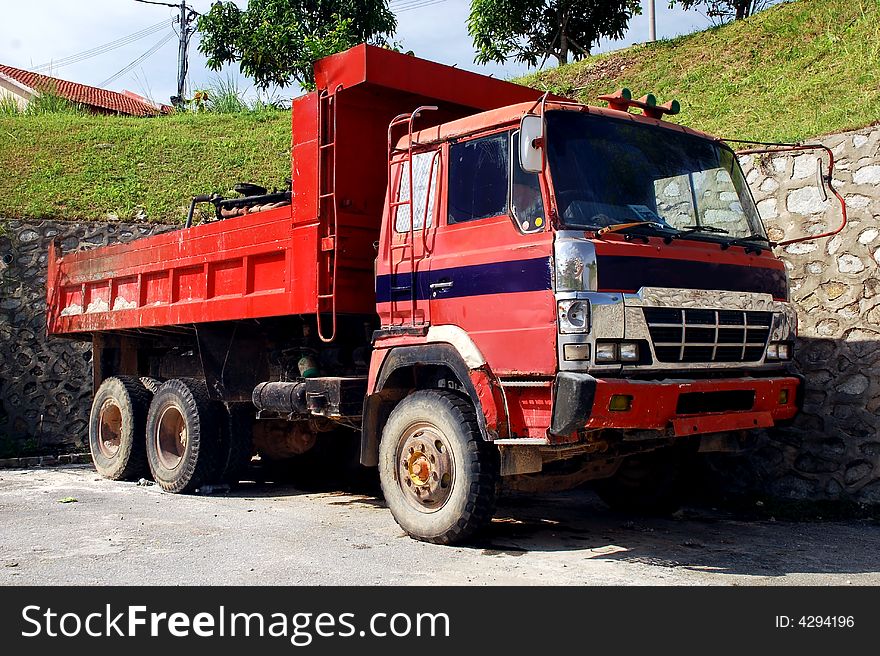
(778, 351)
(609, 352)
(606, 352)
(629, 352)
(574, 316)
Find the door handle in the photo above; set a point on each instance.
(442, 284)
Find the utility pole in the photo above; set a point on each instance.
(652, 22)
(186, 20)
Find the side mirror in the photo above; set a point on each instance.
(531, 143)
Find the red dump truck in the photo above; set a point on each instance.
(485, 285)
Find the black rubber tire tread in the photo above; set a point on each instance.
(199, 465)
(646, 483)
(133, 399)
(152, 384)
(472, 508)
(237, 442)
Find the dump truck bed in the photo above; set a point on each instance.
(238, 268)
(315, 255)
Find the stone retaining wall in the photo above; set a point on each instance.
(833, 450)
(45, 385)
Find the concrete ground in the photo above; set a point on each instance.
(123, 533)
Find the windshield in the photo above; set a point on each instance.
(609, 171)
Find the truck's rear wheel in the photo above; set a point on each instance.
(438, 476)
(646, 483)
(183, 435)
(116, 428)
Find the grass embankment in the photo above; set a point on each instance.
(74, 166)
(792, 72)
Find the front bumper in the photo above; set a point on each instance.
(582, 402)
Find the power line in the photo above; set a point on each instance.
(166, 4)
(104, 48)
(151, 51)
(410, 5)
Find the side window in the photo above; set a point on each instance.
(478, 178)
(526, 203)
(425, 170)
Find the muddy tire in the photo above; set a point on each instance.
(183, 435)
(646, 483)
(237, 444)
(116, 428)
(152, 384)
(438, 475)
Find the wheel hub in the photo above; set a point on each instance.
(110, 429)
(171, 437)
(426, 467)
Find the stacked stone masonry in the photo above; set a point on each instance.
(45, 384)
(832, 451)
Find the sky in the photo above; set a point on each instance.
(43, 31)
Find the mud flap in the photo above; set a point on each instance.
(573, 396)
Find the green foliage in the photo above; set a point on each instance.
(49, 102)
(224, 97)
(9, 106)
(530, 31)
(721, 11)
(43, 102)
(64, 166)
(795, 71)
(275, 42)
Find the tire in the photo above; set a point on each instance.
(237, 446)
(456, 476)
(181, 406)
(116, 428)
(152, 384)
(646, 483)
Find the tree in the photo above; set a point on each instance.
(721, 11)
(275, 42)
(532, 30)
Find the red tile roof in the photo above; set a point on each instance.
(83, 93)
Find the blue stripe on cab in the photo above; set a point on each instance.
(474, 280)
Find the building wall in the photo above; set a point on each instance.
(10, 90)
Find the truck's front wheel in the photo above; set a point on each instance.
(438, 476)
(183, 435)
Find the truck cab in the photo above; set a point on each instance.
(606, 281)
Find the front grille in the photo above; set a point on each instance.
(697, 335)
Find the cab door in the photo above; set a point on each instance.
(411, 219)
(490, 269)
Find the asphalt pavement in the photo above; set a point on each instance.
(66, 525)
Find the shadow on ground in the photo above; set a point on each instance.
(721, 539)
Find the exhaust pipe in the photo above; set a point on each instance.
(288, 398)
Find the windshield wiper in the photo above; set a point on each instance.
(622, 227)
(686, 230)
(749, 244)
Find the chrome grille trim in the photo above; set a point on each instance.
(724, 335)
